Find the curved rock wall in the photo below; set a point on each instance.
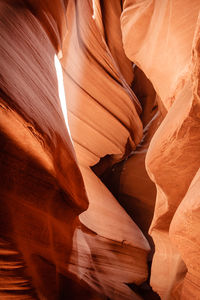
(69, 64)
(170, 36)
(104, 120)
(42, 190)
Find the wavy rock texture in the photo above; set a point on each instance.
(136, 191)
(104, 119)
(107, 264)
(42, 191)
(169, 32)
(63, 235)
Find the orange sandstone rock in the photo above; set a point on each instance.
(42, 190)
(162, 38)
(104, 120)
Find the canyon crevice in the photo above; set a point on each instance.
(100, 143)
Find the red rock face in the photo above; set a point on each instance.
(41, 186)
(104, 119)
(72, 104)
(172, 65)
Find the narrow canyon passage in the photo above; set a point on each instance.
(99, 149)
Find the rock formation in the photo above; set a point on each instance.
(85, 86)
(42, 190)
(170, 36)
(103, 117)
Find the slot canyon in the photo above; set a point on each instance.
(99, 149)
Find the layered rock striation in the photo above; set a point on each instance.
(85, 85)
(170, 36)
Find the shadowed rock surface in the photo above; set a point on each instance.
(99, 156)
(172, 65)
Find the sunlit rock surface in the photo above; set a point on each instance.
(72, 105)
(104, 119)
(42, 190)
(169, 32)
